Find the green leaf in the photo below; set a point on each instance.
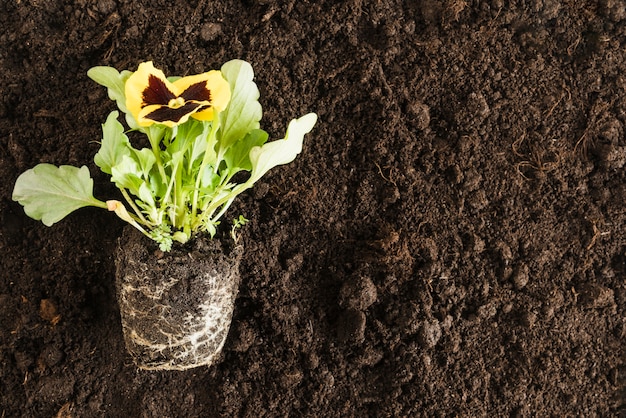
(146, 202)
(114, 81)
(184, 136)
(282, 151)
(49, 193)
(244, 110)
(115, 144)
(202, 144)
(209, 181)
(237, 157)
(145, 159)
(127, 175)
(146, 195)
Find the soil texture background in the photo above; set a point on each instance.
(450, 242)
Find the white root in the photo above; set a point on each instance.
(177, 318)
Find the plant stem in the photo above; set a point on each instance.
(156, 150)
(224, 209)
(168, 193)
(226, 200)
(134, 207)
(205, 160)
(233, 193)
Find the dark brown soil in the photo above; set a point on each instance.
(181, 302)
(451, 242)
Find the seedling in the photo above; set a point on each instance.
(202, 130)
(237, 223)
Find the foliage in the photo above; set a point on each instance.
(203, 130)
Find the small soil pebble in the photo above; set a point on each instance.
(430, 333)
(520, 277)
(596, 296)
(358, 293)
(351, 326)
(210, 31)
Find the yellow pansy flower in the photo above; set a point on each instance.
(151, 98)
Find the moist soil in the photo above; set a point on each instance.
(175, 307)
(450, 242)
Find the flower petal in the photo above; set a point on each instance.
(145, 87)
(156, 92)
(166, 115)
(210, 89)
(197, 92)
(151, 98)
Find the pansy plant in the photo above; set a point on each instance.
(202, 131)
